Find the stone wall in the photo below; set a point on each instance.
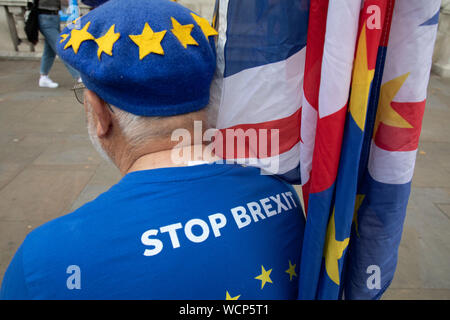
(16, 8)
(203, 7)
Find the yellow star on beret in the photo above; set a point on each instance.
(183, 33)
(106, 42)
(63, 37)
(79, 36)
(205, 26)
(148, 41)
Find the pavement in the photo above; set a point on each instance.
(48, 168)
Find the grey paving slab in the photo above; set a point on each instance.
(408, 273)
(6, 137)
(42, 193)
(12, 234)
(435, 126)
(433, 152)
(9, 171)
(14, 110)
(417, 294)
(431, 173)
(64, 103)
(447, 190)
(73, 149)
(15, 151)
(37, 122)
(105, 176)
(438, 85)
(14, 158)
(424, 252)
(445, 208)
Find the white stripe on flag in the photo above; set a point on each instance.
(217, 83)
(269, 92)
(274, 165)
(308, 134)
(222, 39)
(338, 55)
(391, 167)
(411, 49)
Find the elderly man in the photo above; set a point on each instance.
(167, 230)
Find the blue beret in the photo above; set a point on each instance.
(147, 57)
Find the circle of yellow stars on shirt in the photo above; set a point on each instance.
(291, 271)
(148, 41)
(229, 297)
(264, 277)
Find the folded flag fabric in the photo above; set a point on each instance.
(372, 22)
(339, 88)
(328, 71)
(393, 129)
(260, 57)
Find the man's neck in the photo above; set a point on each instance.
(165, 159)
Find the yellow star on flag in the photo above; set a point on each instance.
(362, 79)
(63, 37)
(358, 202)
(148, 41)
(333, 251)
(205, 26)
(264, 277)
(106, 42)
(228, 297)
(183, 33)
(385, 112)
(291, 271)
(77, 37)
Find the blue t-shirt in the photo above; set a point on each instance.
(203, 232)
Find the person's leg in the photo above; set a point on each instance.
(48, 56)
(74, 73)
(52, 35)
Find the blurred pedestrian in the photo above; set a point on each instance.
(49, 25)
(93, 3)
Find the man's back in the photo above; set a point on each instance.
(202, 232)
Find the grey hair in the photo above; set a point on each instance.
(138, 129)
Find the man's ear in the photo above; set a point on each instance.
(101, 111)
